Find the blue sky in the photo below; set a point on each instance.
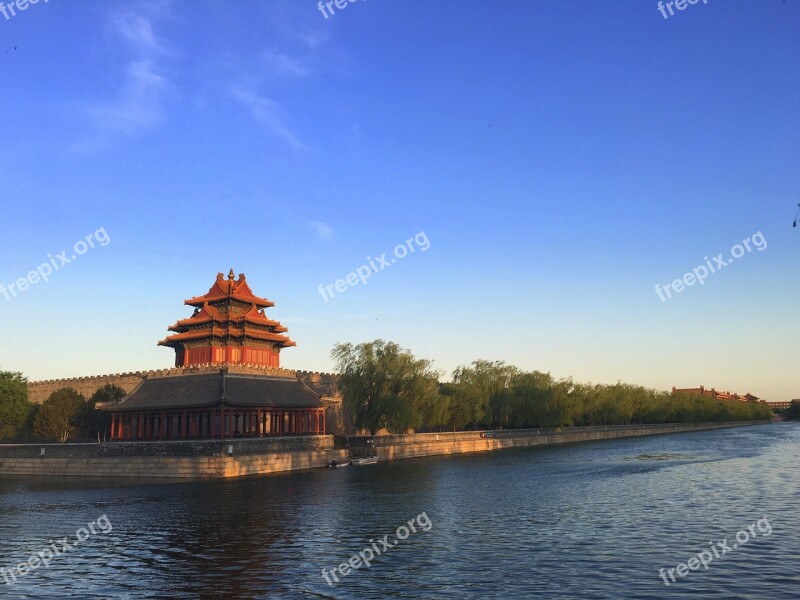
(562, 157)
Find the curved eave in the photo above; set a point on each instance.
(220, 333)
(200, 300)
(255, 320)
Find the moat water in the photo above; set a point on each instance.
(593, 520)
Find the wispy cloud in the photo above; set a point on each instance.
(143, 88)
(284, 65)
(269, 113)
(323, 230)
(139, 106)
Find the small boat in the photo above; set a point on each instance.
(338, 463)
(369, 460)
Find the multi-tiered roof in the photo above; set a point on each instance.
(228, 326)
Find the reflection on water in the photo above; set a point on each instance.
(594, 520)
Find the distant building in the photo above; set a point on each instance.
(781, 405)
(717, 395)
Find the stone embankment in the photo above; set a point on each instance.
(237, 458)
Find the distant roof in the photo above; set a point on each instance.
(217, 389)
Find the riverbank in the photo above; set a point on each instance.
(243, 457)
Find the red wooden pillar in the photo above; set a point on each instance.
(183, 425)
(113, 426)
(139, 426)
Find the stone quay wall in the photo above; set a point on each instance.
(237, 458)
(170, 460)
(391, 447)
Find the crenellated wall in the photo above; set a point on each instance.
(39, 391)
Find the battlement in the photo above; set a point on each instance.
(88, 378)
(323, 384)
(217, 367)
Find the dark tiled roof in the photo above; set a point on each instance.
(207, 390)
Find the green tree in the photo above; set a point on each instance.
(14, 406)
(59, 417)
(481, 394)
(383, 385)
(96, 423)
(793, 412)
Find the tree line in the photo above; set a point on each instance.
(384, 386)
(66, 416)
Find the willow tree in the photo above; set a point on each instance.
(482, 394)
(383, 385)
